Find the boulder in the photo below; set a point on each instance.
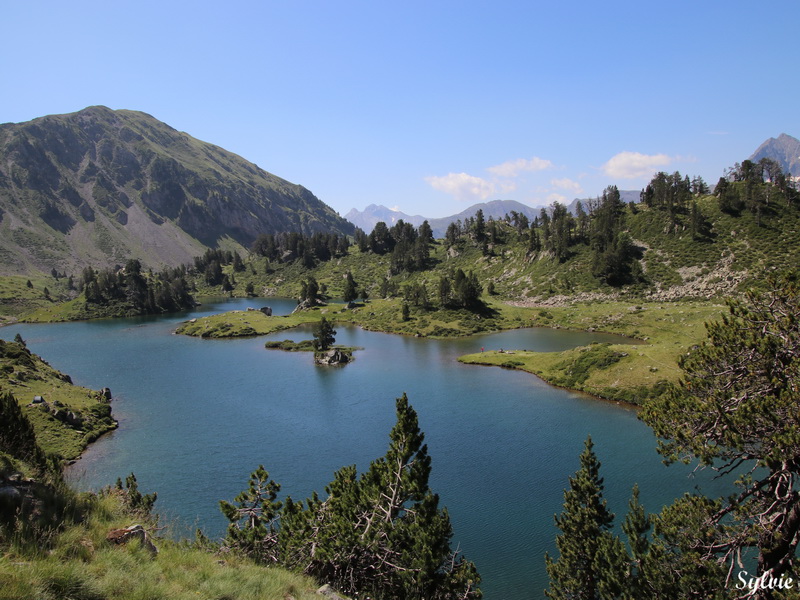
(327, 591)
(331, 357)
(266, 310)
(304, 305)
(137, 532)
(73, 419)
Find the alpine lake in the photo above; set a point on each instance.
(197, 416)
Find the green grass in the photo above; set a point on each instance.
(240, 323)
(622, 372)
(374, 315)
(25, 375)
(17, 298)
(79, 564)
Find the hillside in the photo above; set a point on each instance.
(733, 253)
(97, 187)
(65, 417)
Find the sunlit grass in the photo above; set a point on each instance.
(82, 565)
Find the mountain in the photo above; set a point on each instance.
(784, 149)
(99, 186)
(496, 209)
(627, 196)
(367, 219)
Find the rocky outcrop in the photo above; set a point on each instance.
(305, 305)
(334, 356)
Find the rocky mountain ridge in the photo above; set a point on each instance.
(784, 149)
(99, 186)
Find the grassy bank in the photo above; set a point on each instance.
(21, 295)
(79, 563)
(622, 372)
(70, 417)
(241, 323)
(375, 315)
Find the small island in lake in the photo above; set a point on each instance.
(325, 353)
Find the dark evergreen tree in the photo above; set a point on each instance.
(135, 285)
(309, 291)
(238, 263)
(466, 290)
(380, 240)
(213, 273)
(728, 197)
(350, 292)
(588, 560)
(736, 408)
(252, 519)
(444, 291)
(560, 238)
(452, 234)
(479, 227)
(17, 436)
(324, 335)
(382, 534)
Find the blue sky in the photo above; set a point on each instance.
(426, 106)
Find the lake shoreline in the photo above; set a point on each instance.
(467, 360)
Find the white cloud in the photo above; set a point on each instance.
(512, 168)
(633, 165)
(551, 198)
(567, 184)
(463, 186)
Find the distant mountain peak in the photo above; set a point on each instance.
(784, 149)
(496, 209)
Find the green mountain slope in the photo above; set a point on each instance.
(735, 254)
(99, 186)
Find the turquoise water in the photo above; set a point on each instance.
(197, 416)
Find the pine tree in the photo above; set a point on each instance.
(589, 561)
(350, 293)
(17, 436)
(251, 527)
(324, 335)
(405, 313)
(382, 534)
(480, 227)
(736, 407)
